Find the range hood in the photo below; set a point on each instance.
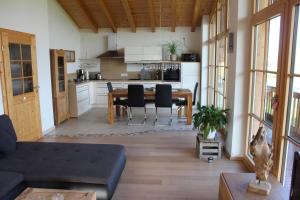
(112, 51)
(112, 54)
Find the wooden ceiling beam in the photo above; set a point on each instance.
(195, 15)
(173, 18)
(107, 13)
(89, 17)
(151, 15)
(129, 15)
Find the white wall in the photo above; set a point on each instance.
(238, 75)
(63, 32)
(31, 16)
(204, 59)
(53, 28)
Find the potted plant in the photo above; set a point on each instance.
(172, 48)
(209, 119)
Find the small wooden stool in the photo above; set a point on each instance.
(206, 148)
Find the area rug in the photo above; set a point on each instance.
(94, 124)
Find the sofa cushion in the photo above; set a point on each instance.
(8, 182)
(7, 136)
(67, 162)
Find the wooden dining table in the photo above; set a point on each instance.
(148, 93)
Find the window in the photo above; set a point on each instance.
(264, 72)
(261, 4)
(218, 55)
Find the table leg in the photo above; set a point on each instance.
(189, 110)
(110, 109)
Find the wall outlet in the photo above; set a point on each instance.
(124, 75)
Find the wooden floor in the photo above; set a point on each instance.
(163, 166)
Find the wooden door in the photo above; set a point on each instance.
(59, 86)
(20, 83)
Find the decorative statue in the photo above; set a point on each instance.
(262, 153)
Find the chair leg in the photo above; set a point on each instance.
(156, 116)
(170, 122)
(145, 116)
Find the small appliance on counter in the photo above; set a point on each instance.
(81, 75)
(189, 57)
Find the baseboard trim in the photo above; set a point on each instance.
(233, 158)
(48, 131)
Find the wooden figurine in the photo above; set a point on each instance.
(262, 153)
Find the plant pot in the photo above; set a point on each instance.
(173, 57)
(212, 135)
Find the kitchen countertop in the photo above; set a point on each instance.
(122, 81)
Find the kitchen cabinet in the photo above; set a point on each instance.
(146, 54)
(79, 98)
(59, 85)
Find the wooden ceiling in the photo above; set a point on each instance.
(114, 14)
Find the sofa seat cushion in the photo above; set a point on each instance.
(7, 136)
(67, 162)
(9, 181)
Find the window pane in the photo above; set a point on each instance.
(253, 128)
(27, 69)
(26, 52)
(260, 45)
(273, 47)
(220, 79)
(269, 96)
(212, 54)
(257, 96)
(16, 69)
(14, 51)
(297, 43)
(28, 85)
(211, 77)
(294, 126)
(221, 52)
(17, 85)
(261, 4)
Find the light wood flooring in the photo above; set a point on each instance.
(163, 166)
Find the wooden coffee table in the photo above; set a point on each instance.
(36, 193)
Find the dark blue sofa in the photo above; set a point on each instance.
(92, 167)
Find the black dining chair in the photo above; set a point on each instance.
(117, 101)
(163, 99)
(180, 103)
(121, 104)
(136, 100)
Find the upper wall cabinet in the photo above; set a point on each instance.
(143, 54)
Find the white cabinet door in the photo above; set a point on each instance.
(100, 95)
(83, 98)
(133, 54)
(152, 53)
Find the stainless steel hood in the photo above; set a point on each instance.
(112, 54)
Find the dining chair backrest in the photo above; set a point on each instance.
(195, 93)
(136, 96)
(163, 95)
(109, 87)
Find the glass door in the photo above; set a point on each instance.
(293, 108)
(264, 78)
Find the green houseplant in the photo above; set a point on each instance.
(209, 119)
(172, 48)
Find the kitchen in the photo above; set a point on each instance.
(124, 58)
